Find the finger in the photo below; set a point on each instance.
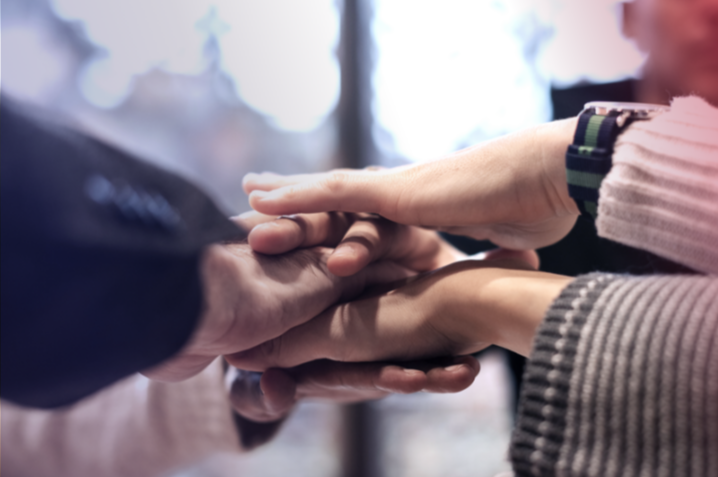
(352, 382)
(299, 231)
(263, 397)
(374, 238)
(269, 181)
(453, 378)
(366, 241)
(342, 191)
(249, 220)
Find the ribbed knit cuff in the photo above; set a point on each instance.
(623, 380)
(661, 194)
(539, 434)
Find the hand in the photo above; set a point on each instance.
(251, 298)
(456, 310)
(511, 191)
(271, 395)
(359, 239)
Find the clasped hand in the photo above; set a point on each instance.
(512, 191)
(321, 259)
(361, 289)
(417, 317)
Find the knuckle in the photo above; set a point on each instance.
(412, 386)
(460, 382)
(342, 329)
(335, 183)
(336, 179)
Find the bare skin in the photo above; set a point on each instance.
(238, 279)
(459, 309)
(511, 191)
(252, 297)
(270, 396)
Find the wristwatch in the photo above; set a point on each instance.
(588, 159)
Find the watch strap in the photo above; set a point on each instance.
(588, 159)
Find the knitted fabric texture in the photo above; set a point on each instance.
(137, 427)
(623, 380)
(664, 182)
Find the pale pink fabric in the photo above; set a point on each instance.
(136, 427)
(662, 192)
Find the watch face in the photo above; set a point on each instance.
(625, 112)
(607, 107)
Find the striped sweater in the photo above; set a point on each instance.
(623, 376)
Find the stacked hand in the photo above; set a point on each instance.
(456, 310)
(511, 191)
(364, 338)
(290, 316)
(253, 297)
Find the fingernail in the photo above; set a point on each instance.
(416, 372)
(259, 194)
(245, 215)
(342, 252)
(454, 367)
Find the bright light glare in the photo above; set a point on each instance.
(448, 71)
(455, 72)
(34, 65)
(587, 44)
(136, 36)
(279, 53)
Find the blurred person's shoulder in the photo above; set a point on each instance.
(49, 118)
(568, 102)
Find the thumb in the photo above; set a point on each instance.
(263, 397)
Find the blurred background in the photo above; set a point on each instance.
(213, 89)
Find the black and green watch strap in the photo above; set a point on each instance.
(588, 159)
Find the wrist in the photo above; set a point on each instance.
(500, 306)
(522, 301)
(555, 138)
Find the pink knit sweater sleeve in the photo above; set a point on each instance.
(662, 192)
(135, 427)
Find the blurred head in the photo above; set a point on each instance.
(681, 39)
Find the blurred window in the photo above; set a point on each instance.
(214, 89)
(454, 73)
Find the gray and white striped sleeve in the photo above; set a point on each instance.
(623, 380)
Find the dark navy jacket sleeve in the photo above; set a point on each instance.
(100, 261)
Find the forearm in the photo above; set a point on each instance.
(498, 306)
(531, 161)
(519, 302)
